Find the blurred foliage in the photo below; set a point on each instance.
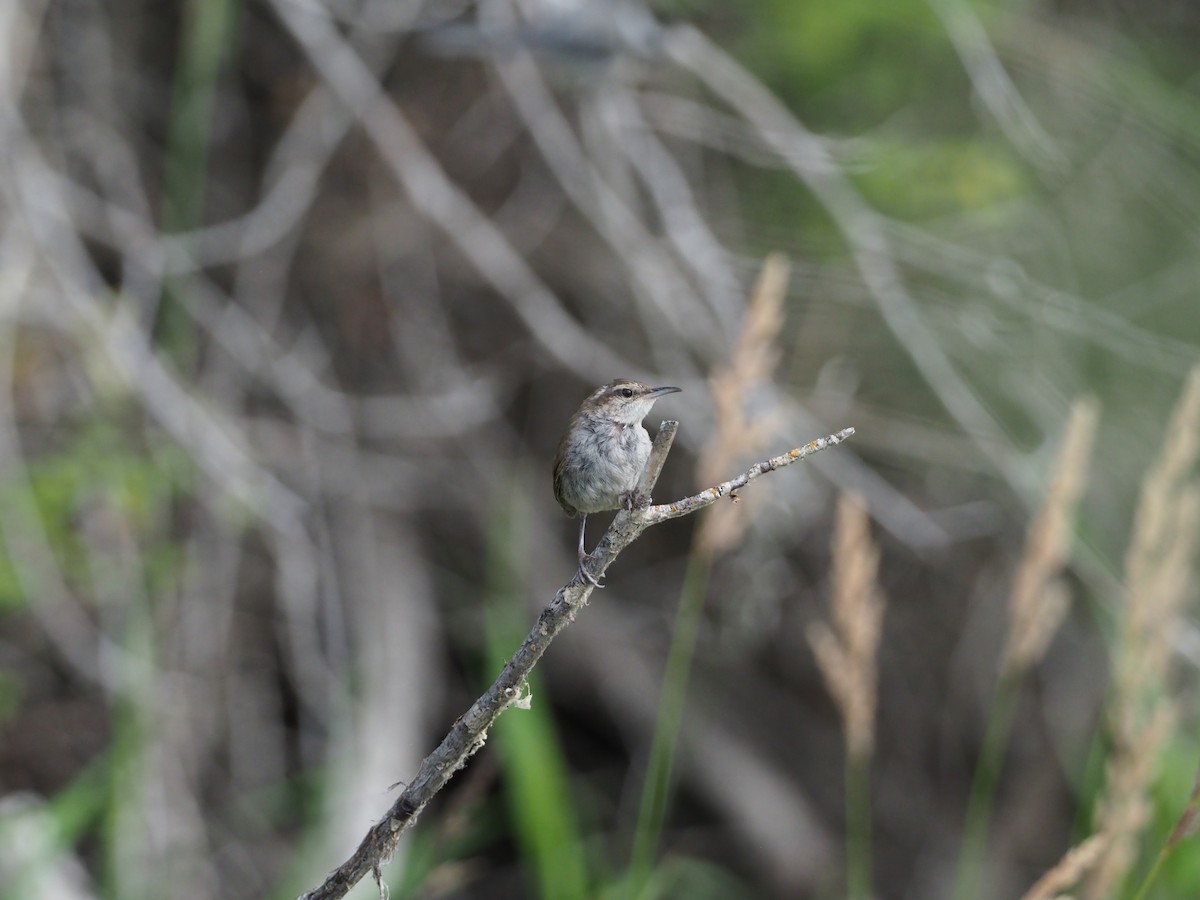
(99, 467)
(1181, 873)
(67, 819)
(1040, 273)
(921, 179)
(534, 768)
(847, 66)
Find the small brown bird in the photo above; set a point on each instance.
(600, 460)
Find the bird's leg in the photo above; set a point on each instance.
(584, 556)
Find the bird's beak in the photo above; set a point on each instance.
(658, 392)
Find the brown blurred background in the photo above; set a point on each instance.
(298, 295)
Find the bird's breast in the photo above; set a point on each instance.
(602, 460)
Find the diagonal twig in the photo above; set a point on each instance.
(469, 732)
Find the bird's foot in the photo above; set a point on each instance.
(584, 575)
(634, 499)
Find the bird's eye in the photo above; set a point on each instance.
(626, 392)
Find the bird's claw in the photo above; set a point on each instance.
(584, 575)
(634, 499)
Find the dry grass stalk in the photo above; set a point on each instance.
(1038, 602)
(1074, 865)
(846, 653)
(1159, 574)
(737, 434)
(1188, 823)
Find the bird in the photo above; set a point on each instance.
(600, 459)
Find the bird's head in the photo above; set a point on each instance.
(624, 401)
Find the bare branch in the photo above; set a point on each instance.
(692, 504)
(658, 456)
(469, 733)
